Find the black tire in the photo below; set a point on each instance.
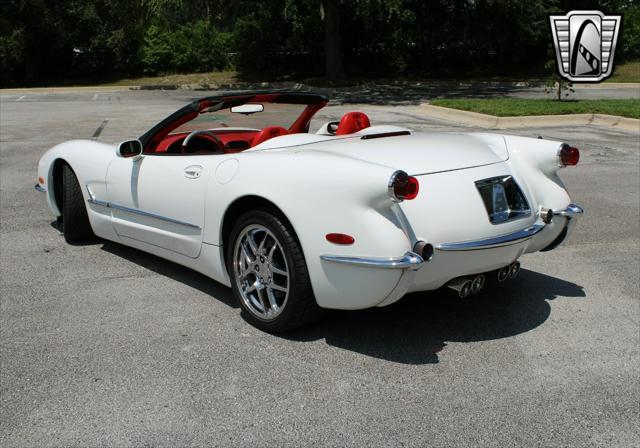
(300, 307)
(75, 222)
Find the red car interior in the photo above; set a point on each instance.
(352, 122)
(160, 140)
(268, 133)
(234, 141)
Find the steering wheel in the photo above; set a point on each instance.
(211, 135)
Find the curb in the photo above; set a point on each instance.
(609, 85)
(27, 90)
(493, 122)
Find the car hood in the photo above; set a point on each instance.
(424, 153)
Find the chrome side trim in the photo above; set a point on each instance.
(572, 211)
(92, 200)
(409, 260)
(488, 243)
(40, 188)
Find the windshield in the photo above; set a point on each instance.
(274, 114)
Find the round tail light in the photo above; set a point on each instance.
(568, 155)
(402, 186)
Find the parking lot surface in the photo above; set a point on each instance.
(103, 345)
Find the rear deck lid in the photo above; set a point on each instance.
(425, 153)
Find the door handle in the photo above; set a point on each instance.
(193, 171)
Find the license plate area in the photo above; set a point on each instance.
(503, 199)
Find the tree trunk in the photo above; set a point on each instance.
(333, 53)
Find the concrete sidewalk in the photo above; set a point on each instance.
(493, 122)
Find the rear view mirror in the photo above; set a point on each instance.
(247, 109)
(130, 148)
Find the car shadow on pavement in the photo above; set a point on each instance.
(417, 328)
(91, 242)
(174, 271)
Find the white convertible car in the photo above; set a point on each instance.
(352, 216)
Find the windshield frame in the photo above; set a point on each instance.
(313, 103)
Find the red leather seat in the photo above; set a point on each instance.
(268, 133)
(352, 122)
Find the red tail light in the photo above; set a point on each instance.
(402, 186)
(568, 155)
(340, 238)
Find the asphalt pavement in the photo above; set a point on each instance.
(103, 345)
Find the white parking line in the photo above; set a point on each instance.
(95, 97)
(96, 134)
(21, 98)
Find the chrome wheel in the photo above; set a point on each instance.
(261, 272)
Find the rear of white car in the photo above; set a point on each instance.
(472, 221)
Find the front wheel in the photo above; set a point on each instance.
(268, 273)
(75, 221)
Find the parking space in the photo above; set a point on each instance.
(105, 345)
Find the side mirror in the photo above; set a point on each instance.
(130, 148)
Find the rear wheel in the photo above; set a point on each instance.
(268, 273)
(75, 221)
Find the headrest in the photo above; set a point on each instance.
(352, 122)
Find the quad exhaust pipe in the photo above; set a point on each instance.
(464, 286)
(510, 271)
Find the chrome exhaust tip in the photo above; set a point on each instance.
(477, 284)
(461, 286)
(503, 273)
(514, 269)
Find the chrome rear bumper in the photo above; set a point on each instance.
(570, 212)
(412, 261)
(409, 260)
(488, 243)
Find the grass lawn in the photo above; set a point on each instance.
(226, 77)
(510, 107)
(629, 72)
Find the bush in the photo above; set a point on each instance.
(629, 41)
(201, 48)
(157, 51)
(11, 56)
(196, 47)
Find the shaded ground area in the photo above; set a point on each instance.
(105, 345)
(378, 93)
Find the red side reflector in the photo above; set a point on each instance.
(340, 238)
(569, 155)
(41, 180)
